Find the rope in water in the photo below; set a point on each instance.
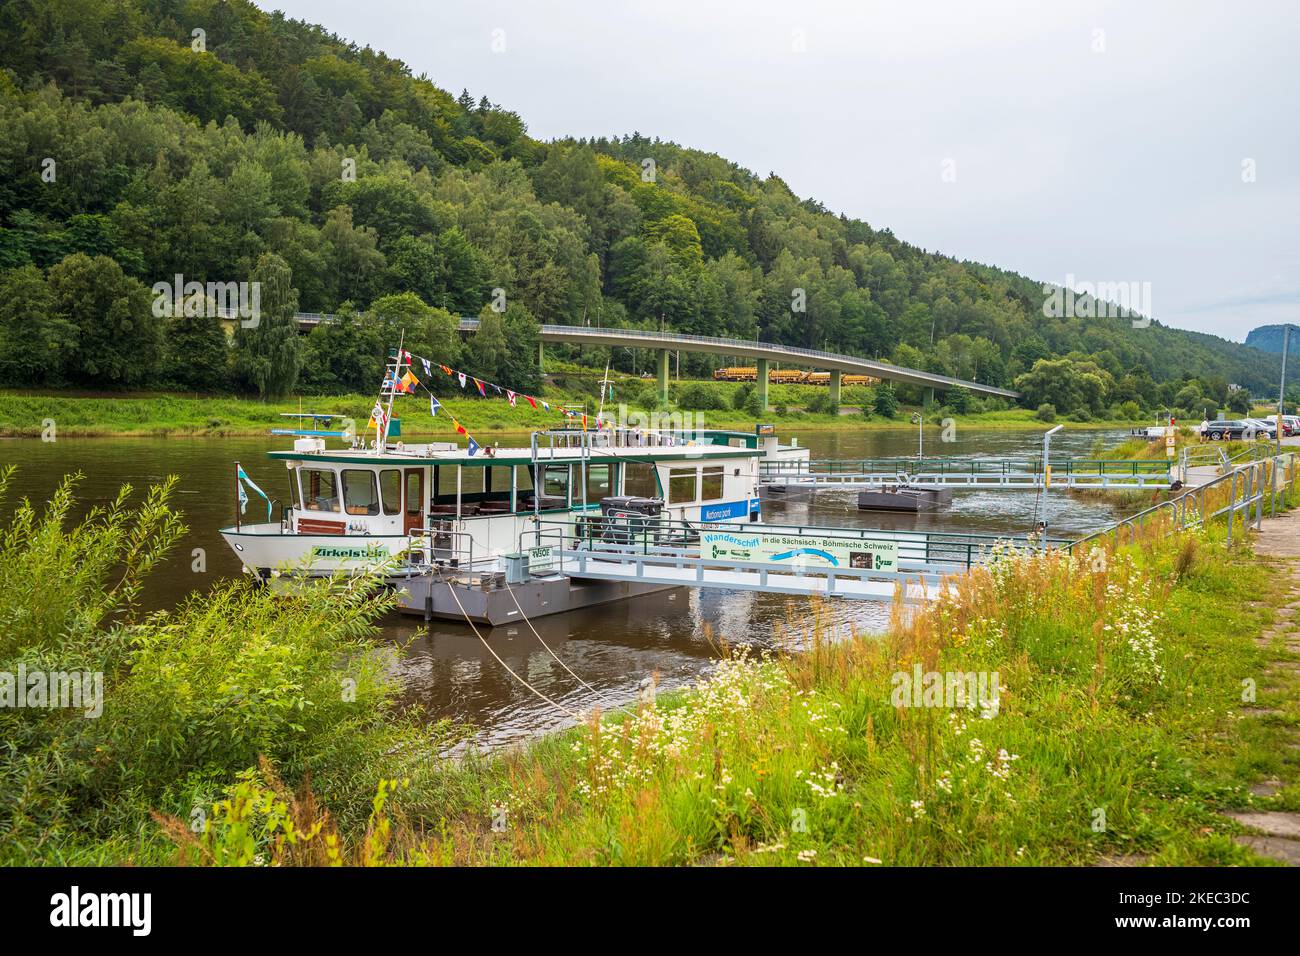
(451, 586)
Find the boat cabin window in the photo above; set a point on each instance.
(390, 489)
(639, 479)
(413, 504)
(524, 478)
(711, 483)
(320, 490)
(295, 495)
(444, 484)
(360, 495)
(600, 482)
(498, 482)
(555, 482)
(683, 485)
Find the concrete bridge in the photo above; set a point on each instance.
(761, 352)
(663, 343)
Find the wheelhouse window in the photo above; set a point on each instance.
(711, 483)
(320, 490)
(683, 485)
(555, 481)
(639, 479)
(600, 482)
(390, 490)
(360, 496)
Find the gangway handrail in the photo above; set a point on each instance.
(961, 549)
(1178, 506)
(584, 560)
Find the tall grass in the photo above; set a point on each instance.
(1112, 734)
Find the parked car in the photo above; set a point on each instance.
(1290, 423)
(1226, 429)
(1263, 428)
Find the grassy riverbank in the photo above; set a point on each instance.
(27, 414)
(1119, 729)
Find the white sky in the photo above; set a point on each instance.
(1121, 165)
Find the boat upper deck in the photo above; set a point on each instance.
(555, 446)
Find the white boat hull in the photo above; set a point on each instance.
(264, 548)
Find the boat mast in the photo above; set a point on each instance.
(392, 390)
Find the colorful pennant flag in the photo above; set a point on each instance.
(531, 401)
(511, 397)
(461, 376)
(409, 382)
(481, 390)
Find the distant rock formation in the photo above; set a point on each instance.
(1268, 338)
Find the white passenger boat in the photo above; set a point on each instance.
(437, 516)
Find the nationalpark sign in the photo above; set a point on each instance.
(800, 550)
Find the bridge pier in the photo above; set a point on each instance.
(928, 400)
(835, 389)
(663, 376)
(541, 357)
(760, 384)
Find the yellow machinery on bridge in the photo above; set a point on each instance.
(791, 376)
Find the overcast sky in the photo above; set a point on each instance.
(1108, 141)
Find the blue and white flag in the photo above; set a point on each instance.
(241, 476)
(473, 447)
(434, 405)
(427, 371)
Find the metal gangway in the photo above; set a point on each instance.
(972, 472)
(663, 552)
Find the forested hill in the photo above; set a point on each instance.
(149, 138)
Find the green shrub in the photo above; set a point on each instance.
(886, 402)
(1046, 412)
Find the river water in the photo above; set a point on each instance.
(672, 636)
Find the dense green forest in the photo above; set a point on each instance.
(149, 138)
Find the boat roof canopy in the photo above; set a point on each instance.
(420, 455)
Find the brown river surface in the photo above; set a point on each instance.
(674, 634)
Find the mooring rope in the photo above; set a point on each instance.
(451, 586)
(557, 657)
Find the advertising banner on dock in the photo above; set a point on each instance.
(800, 550)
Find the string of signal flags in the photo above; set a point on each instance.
(408, 383)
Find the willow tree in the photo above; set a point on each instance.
(268, 348)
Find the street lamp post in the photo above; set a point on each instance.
(1281, 393)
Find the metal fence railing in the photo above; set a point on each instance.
(1241, 493)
